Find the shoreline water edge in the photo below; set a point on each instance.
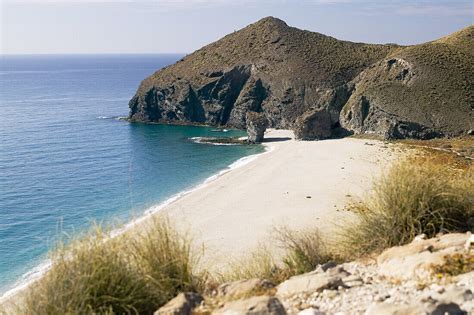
(299, 184)
(37, 272)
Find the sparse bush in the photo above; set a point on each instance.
(166, 258)
(416, 196)
(304, 250)
(138, 271)
(301, 252)
(134, 273)
(260, 264)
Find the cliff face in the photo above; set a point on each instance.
(288, 73)
(422, 91)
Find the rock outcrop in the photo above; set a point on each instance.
(431, 276)
(299, 78)
(257, 123)
(313, 124)
(434, 276)
(242, 289)
(418, 260)
(257, 305)
(182, 304)
(406, 96)
(316, 281)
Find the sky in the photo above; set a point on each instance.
(182, 26)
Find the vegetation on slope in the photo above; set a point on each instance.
(265, 67)
(128, 274)
(270, 42)
(302, 251)
(429, 193)
(433, 88)
(137, 273)
(417, 196)
(423, 90)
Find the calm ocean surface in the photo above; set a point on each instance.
(66, 161)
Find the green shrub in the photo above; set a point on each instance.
(416, 196)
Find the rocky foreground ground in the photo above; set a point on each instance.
(428, 276)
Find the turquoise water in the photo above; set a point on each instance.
(66, 160)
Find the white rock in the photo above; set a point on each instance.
(469, 242)
(466, 280)
(420, 237)
(308, 283)
(242, 288)
(416, 260)
(261, 305)
(393, 309)
(182, 304)
(311, 311)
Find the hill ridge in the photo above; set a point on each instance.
(298, 77)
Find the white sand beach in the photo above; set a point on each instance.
(296, 184)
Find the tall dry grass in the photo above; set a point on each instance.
(260, 263)
(134, 273)
(300, 252)
(303, 250)
(416, 196)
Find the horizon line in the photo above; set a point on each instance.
(93, 53)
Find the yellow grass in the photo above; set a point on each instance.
(418, 195)
(129, 274)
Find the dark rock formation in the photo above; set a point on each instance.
(257, 123)
(364, 117)
(314, 124)
(420, 91)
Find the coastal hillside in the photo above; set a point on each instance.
(302, 80)
(420, 91)
(267, 66)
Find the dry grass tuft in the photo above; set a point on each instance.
(128, 274)
(416, 196)
(136, 273)
(259, 263)
(302, 251)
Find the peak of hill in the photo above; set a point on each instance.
(296, 78)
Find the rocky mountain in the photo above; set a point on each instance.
(317, 85)
(421, 91)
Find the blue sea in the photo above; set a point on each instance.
(67, 160)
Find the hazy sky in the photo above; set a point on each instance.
(168, 26)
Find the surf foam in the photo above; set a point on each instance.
(37, 272)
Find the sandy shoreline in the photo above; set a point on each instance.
(295, 183)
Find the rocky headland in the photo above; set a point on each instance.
(428, 276)
(316, 85)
